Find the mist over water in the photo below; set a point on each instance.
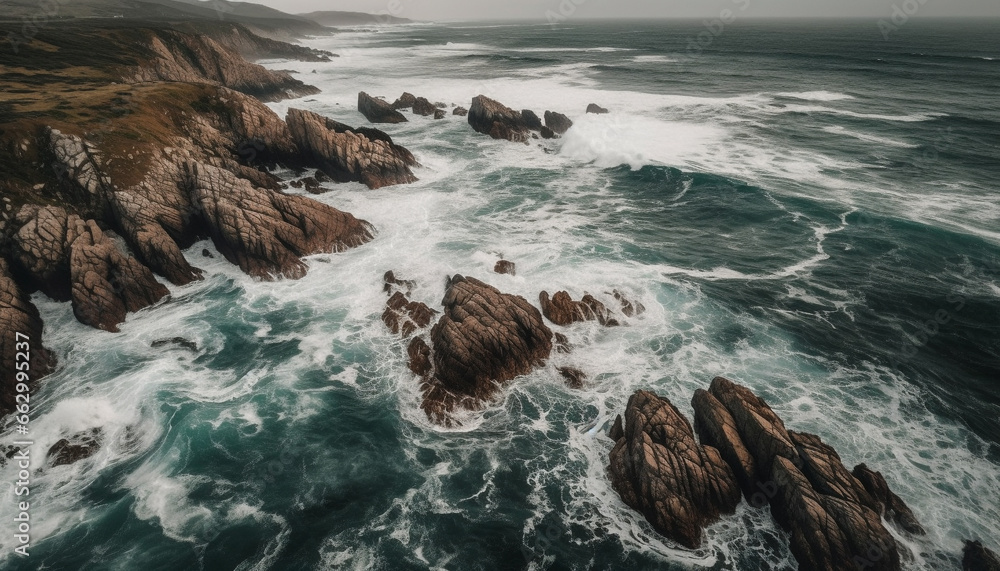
(810, 211)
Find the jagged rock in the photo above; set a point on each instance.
(393, 284)
(562, 344)
(321, 177)
(629, 308)
(440, 105)
(421, 106)
(403, 316)
(405, 101)
(505, 267)
(420, 357)
(574, 377)
(460, 111)
(378, 110)
(562, 310)
(596, 109)
(893, 508)
(265, 232)
(196, 58)
(70, 258)
(834, 520)
(548, 133)
(351, 154)
(558, 122)
(206, 254)
(19, 315)
(979, 558)
(75, 448)
(178, 341)
(312, 185)
(484, 339)
(296, 184)
(659, 469)
(440, 114)
(494, 119)
(531, 120)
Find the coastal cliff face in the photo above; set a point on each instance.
(105, 183)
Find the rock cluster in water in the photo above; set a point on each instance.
(833, 516)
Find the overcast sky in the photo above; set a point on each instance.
(537, 9)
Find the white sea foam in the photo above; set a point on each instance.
(817, 95)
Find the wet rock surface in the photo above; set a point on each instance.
(349, 154)
(75, 448)
(19, 315)
(377, 110)
(505, 267)
(558, 122)
(483, 340)
(659, 469)
(492, 118)
(597, 109)
(979, 558)
(562, 310)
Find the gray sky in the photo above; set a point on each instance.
(537, 9)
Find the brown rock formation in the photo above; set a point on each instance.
(75, 448)
(494, 119)
(505, 267)
(460, 111)
(378, 110)
(893, 508)
(574, 377)
(19, 315)
(394, 284)
(439, 114)
(629, 308)
(531, 120)
(421, 106)
(420, 357)
(403, 316)
(348, 154)
(596, 109)
(659, 469)
(405, 101)
(834, 517)
(562, 310)
(484, 339)
(547, 133)
(558, 122)
(978, 558)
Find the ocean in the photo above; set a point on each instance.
(809, 209)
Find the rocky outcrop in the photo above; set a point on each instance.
(505, 267)
(460, 111)
(71, 258)
(421, 106)
(573, 377)
(562, 310)
(404, 317)
(629, 308)
(394, 284)
(547, 133)
(659, 469)
(177, 342)
(75, 448)
(19, 315)
(196, 58)
(498, 121)
(405, 101)
(558, 122)
(978, 558)
(378, 110)
(420, 357)
(483, 340)
(597, 109)
(351, 154)
(439, 114)
(833, 516)
(531, 120)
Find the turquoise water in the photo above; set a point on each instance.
(807, 209)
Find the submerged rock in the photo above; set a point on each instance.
(498, 121)
(978, 558)
(440, 114)
(558, 122)
(505, 267)
(378, 110)
(178, 341)
(659, 469)
(75, 448)
(629, 308)
(460, 111)
(351, 154)
(597, 109)
(562, 310)
(574, 377)
(484, 339)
